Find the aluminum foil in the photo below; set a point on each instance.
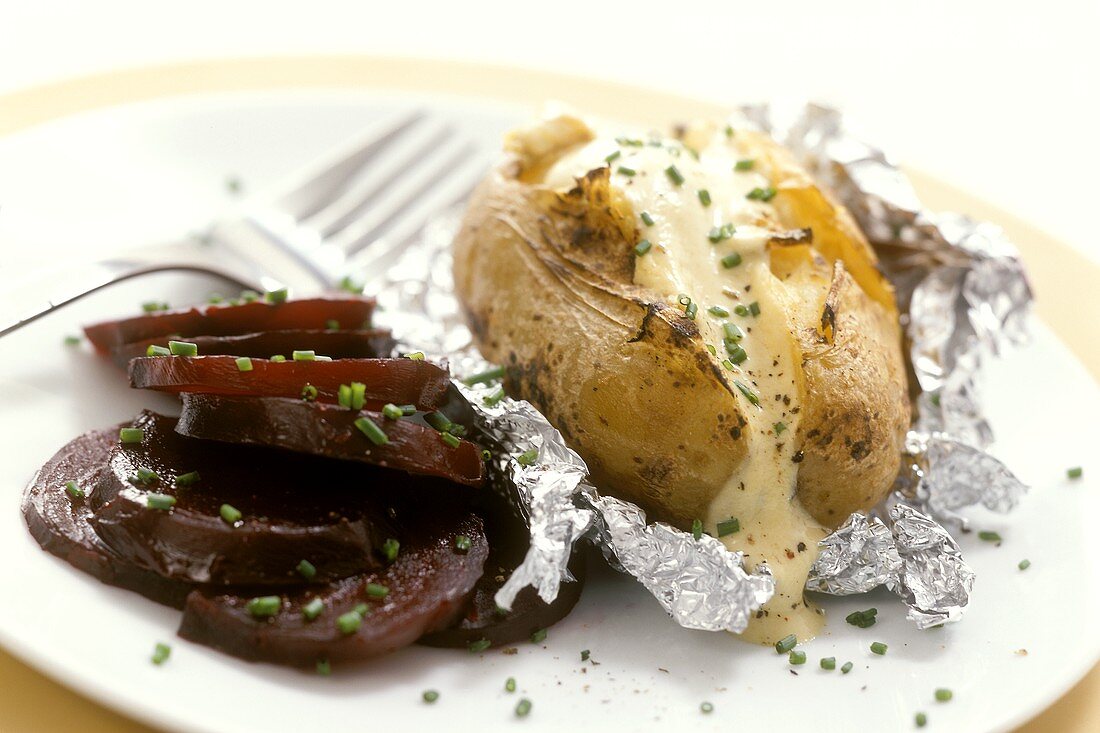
(963, 294)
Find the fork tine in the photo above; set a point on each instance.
(402, 195)
(387, 167)
(322, 181)
(373, 255)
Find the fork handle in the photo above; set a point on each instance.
(46, 291)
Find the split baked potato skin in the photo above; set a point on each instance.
(546, 282)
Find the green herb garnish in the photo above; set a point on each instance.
(643, 247)
(264, 606)
(131, 435)
(349, 622)
(797, 657)
(462, 544)
(230, 514)
(1024, 564)
(733, 259)
(164, 502)
(706, 708)
(697, 528)
(370, 429)
(71, 341)
(624, 171)
(74, 490)
(528, 457)
(154, 350)
(161, 652)
(377, 590)
(244, 364)
(430, 696)
(943, 694)
(846, 668)
(510, 684)
(392, 411)
(304, 355)
(675, 175)
(183, 348)
(828, 663)
(862, 619)
(761, 194)
(744, 165)
(920, 719)
(749, 394)
(729, 526)
(878, 647)
(187, 479)
(704, 197)
(313, 609)
(390, 548)
(538, 636)
(718, 311)
(489, 375)
(479, 646)
(523, 708)
(1075, 472)
(647, 219)
(720, 234)
(306, 569)
(309, 392)
(785, 644)
(324, 667)
(276, 296)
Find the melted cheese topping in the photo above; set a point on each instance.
(709, 233)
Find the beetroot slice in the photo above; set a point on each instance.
(229, 320)
(481, 619)
(400, 381)
(427, 585)
(358, 344)
(329, 431)
(293, 508)
(60, 523)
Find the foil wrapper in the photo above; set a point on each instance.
(963, 295)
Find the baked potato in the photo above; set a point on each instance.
(704, 325)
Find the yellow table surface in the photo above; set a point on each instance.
(31, 702)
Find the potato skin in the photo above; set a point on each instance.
(546, 283)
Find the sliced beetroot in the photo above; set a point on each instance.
(426, 587)
(229, 320)
(400, 381)
(329, 431)
(483, 620)
(357, 344)
(60, 523)
(292, 508)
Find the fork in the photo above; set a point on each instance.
(349, 213)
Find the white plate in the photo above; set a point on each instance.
(140, 172)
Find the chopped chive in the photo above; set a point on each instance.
(306, 569)
(706, 708)
(732, 331)
(489, 375)
(612, 156)
(878, 647)
(408, 410)
(161, 652)
(309, 392)
(392, 411)
(738, 355)
(277, 358)
(131, 435)
(744, 165)
(683, 299)
(349, 622)
(450, 439)
(187, 479)
(154, 350)
(733, 259)
(439, 421)
(741, 310)
(987, 536)
(370, 429)
(523, 708)
(249, 296)
(785, 644)
(390, 548)
(163, 502)
(350, 286)
(147, 476)
(343, 395)
(183, 348)
(244, 364)
(647, 219)
(486, 455)
(920, 719)
(510, 684)
(729, 526)
(754, 308)
(624, 171)
(846, 668)
(749, 394)
(153, 306)
(585, 654)
(377, 590)
(276, 296)
(462, 544)
(729, 131)
(264, 606)
(828, 663)
(479, 646)
(322, 358)
(697, 528)
(358, 395)
(72, 341)
(691, 310)
(1075, 472)
(718, 311)
(324, 667)
(720, 234)
(779, 427)
(704, 197)
(643, 247)
(538, 636)
(304, 355)
(728, 364)
(943, 694)
(528, 457)
(230, 514)
(494, 397)
(712, 350)
(313, 609)
(1024, 564)
(430, 696)
(332, 325)
(797, 657)
(629, 142)
(761, 194)
(863, 619)
(74, 490)
(675, 175)
(415, 355)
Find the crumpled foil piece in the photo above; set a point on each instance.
(963, 294)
